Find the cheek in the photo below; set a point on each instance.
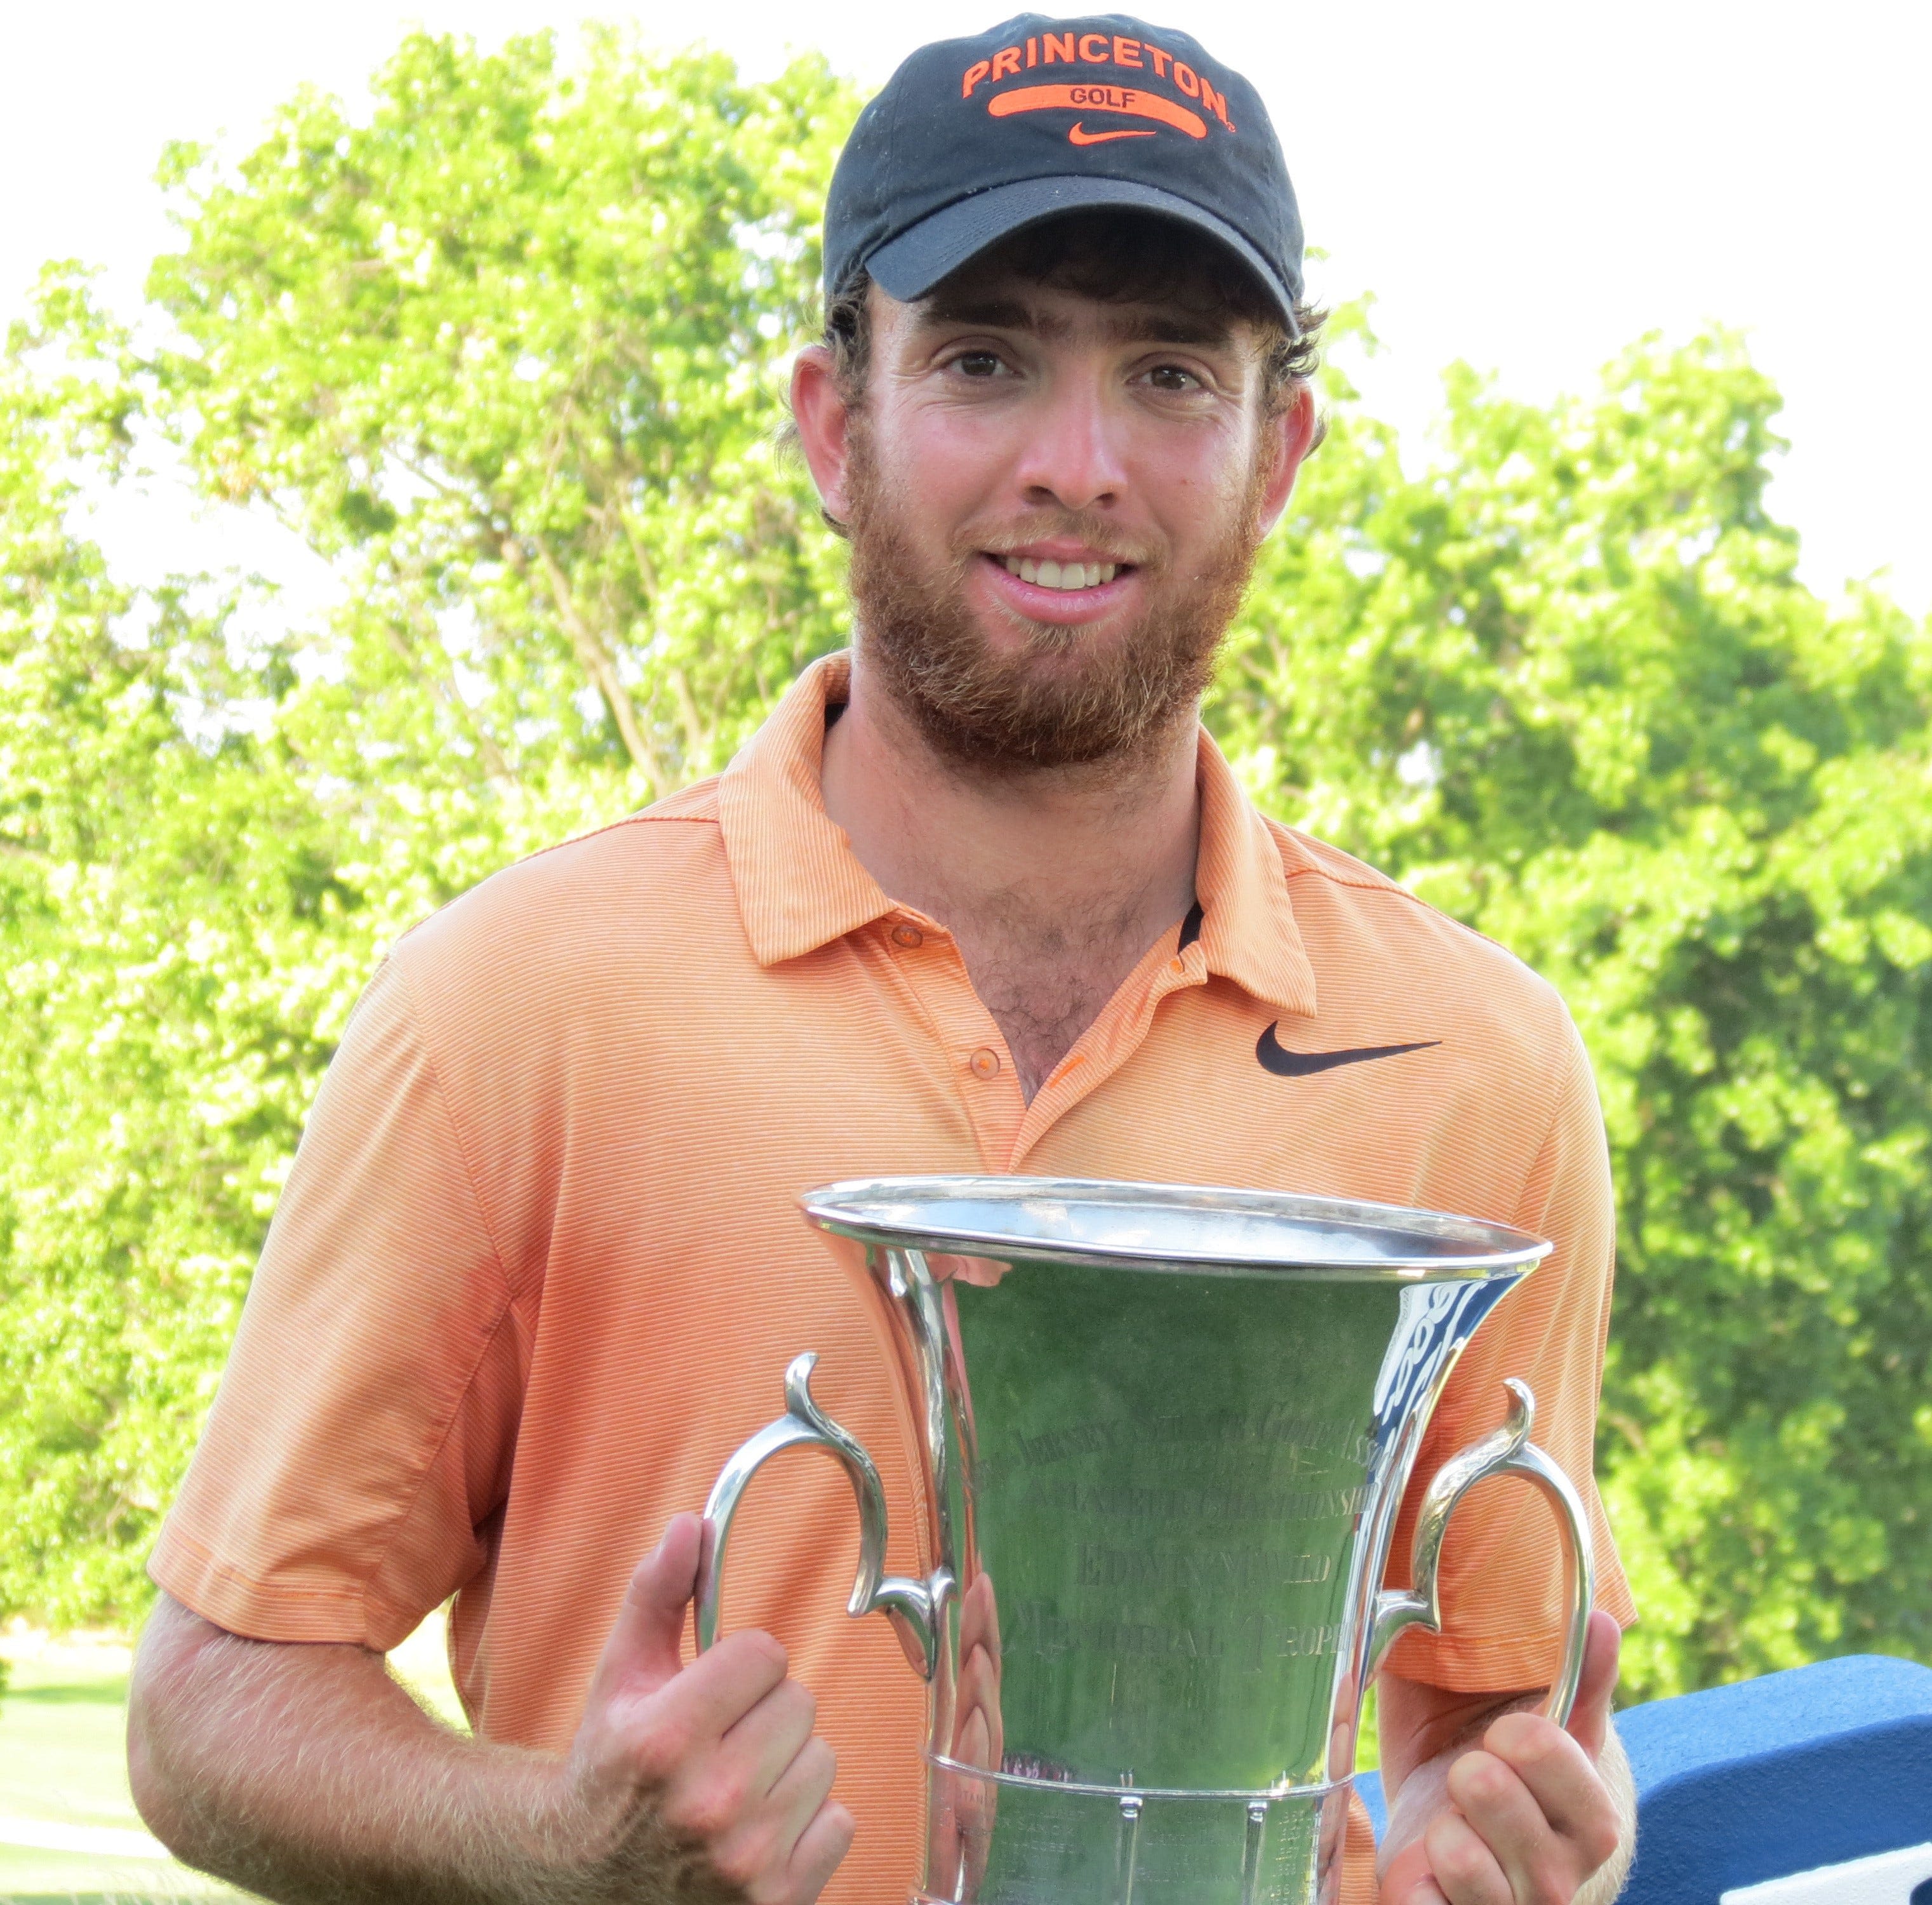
(1198, 487)
(947, 466)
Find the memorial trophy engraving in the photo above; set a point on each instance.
(1165, 1434)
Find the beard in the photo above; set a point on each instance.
(1064, 697)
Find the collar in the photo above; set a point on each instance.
(800, 886)
(1248, 933)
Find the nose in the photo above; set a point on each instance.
(1072, 456)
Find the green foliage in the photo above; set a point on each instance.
(512, 354)
(508, 354)
(507, 351)
(1567, 686)
(156, 1038)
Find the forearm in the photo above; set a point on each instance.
(305, 1773)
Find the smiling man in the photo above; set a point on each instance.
(981, 896)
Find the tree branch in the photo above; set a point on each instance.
(602, 671)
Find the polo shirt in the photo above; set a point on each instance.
(538, 1267)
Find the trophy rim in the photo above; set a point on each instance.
(1412, 1245)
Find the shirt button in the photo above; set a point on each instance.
(907, 936)
(985, 1064)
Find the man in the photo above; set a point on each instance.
(979, 897)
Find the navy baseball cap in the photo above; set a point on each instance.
(972, 140)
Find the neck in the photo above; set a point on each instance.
(1053, 882)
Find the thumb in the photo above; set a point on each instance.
(643, 1651)
(1590, 1717)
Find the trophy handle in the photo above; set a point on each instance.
(1509, 1451)
(913, 1607)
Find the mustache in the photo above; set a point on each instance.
(1102, 538)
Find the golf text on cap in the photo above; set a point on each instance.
(1096, 49)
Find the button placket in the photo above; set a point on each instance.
(1111, 1041)
(989, 1088)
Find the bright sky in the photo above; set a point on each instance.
(1528, 184)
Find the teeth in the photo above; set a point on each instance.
(1050, 574)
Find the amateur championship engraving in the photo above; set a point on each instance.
(1168, 1499)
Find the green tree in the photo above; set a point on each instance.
(1566, 686)
(507, 351)
(164, 915)
(507, 355)
(511, 354)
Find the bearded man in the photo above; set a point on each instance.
(980, 896)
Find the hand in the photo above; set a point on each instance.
(705, 1780)
(1525, 1818)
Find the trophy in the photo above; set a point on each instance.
(1162, 1434)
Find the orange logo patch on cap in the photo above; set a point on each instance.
(1127, 100)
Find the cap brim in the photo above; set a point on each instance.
(908, 266)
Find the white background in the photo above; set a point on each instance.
(1528, 184)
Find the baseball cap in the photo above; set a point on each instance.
(973, 140)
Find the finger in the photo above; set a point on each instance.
(1407, 1880)
(1424, 1892)
(821, 1847)
(1590, 1717)
(1463, 1866)
(642, 1647)
(1567, 1788)
(801, 1789)
(762, 1745)
(720, 1688)
(1563, 1781)
(1503, 1814)
(751, 1850)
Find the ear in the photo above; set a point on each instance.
(1294, 432)
(824, 423)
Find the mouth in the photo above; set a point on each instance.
(1053, 592)
(1047, 574)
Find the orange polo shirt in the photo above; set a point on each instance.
(538, 1268)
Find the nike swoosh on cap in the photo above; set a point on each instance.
(1286, 1064)
(1077, 134)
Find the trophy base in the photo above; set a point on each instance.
(1006, 1840)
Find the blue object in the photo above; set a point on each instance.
(1370, 1786)
(1768, 1777)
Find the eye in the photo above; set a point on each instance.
(1173, 377)
(980, 364)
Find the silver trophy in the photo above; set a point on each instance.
(1165, 1434)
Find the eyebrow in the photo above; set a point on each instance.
(1131, 324)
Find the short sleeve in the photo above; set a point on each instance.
(1501, 1575)
(361, 1439)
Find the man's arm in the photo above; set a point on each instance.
(304, 1773)
(1491, 1804)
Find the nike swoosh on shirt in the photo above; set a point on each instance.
(1079, 135)
(1286, 1064)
